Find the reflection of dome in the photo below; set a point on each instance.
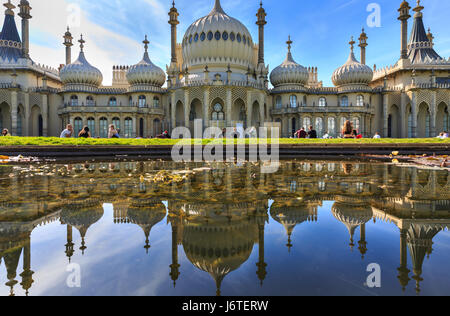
(82, 219)
(289, 72)
(219, 249)
(81, 72)
(146, 215)
(420, 243)
(352, 72)
(352, 216)
(290, 216)
(145, 72)
(217, 39)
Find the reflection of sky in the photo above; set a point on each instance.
(320, 263)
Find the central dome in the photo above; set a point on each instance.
(217, 39)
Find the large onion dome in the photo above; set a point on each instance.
(352, 72)
(80, 71)
(145, 72)
(217, 39)
(289, 72)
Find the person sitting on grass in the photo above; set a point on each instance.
(357, 135)
(85, 133)
(301, 133)
(113, 133)
(347, 130)
(312, 133)
(67, 133)
(5, 132)
(377, 136)
(445, 134)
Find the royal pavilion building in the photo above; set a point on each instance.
(218, 74)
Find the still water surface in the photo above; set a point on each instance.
(312, 228)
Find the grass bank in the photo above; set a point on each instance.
(53, 141)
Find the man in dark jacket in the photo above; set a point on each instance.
(312, 133)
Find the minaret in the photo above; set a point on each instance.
(27, 274)
(174, 267)
(25, 15)
(363, 44)
(403, 17)
(173, 21)
(262, 273)
(261, 22)
(403, 271)
(68, 43)
(70, 244)
(362, 241)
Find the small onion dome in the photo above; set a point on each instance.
(289, 72)
(404, 4)
(145, 72)
(352, 72)
(80, 71)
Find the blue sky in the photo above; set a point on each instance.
(320, 30)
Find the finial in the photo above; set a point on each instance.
(146, 42)
(173, 4)
(81, 41)
(9, 8)
(289, 42)
(352, 43)
(419, 7)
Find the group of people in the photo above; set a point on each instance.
(302, 133)
(443, 135)
(348, 131)
(86, 133)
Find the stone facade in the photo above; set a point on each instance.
(221, 78)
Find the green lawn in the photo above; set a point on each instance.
(53, 141)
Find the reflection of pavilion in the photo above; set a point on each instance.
(218, 240)
(291, 213)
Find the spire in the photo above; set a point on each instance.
(146, 42)
(289, 57)
(217, 8)
(352, 43)
(352, 58)
(82, 42)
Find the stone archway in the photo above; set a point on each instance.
(442, 118)
(5, 116)
(36, 121)
(196, 112)
(423, 121)
(256, 115)
(394, 122)
(179, 114)
(238, 112)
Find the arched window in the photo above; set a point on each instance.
(142, 101)
(239, 38)
(225, 36)
(322, 186)
(103, 124)
(344, 101)
(128, 126)
(218, 114)
(278, 102)
(210, 36)
(196, 38)
(293, 101)
(410, 119)
(116, 123)
(306, 122)
(331, 126)
(359, 187)
(77, 125)
(91, 126)
(90, 101)
(319, 126)
(74, 100)
(360, 100)
(232, 36)
(112, 101)
(19, 123)
(356, 123)
(322, 102)
(217, 35)
(156, 102)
